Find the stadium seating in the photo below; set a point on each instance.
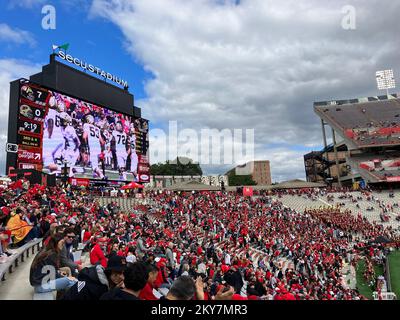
(377, 168)
(300, 203)
(19, 257)
(259, 252)
(375, 123)
(123, 203)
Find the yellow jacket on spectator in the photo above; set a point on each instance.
(19, 228)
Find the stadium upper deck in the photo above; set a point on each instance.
(370, 127)
(364, 124)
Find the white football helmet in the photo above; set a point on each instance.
(61, 106)
(89, 119)
(52, 101)
(119, 127)
(65, 118)
(26, 111)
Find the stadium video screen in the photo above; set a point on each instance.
(57, 131)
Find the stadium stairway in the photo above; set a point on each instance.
(14, 272)
(18, 257)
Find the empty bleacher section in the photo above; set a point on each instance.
(301, 202)
(372, 206)
(124, 204)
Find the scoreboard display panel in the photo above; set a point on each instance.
(56, 131)
(25, 126)
(34, 94)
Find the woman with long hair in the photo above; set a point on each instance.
(45, 274)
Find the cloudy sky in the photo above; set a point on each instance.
(221, 64)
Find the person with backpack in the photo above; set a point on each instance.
(46, 274)
(95, 281)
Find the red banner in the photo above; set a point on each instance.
(393, 179)
(30, 155)
(247, 191)
(143, 169)
(79, 182)
(389, 131)
(349, 133)
(28, 166)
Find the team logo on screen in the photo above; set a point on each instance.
(26, 111)
(27, 92)
(32, 113)
(34, 94)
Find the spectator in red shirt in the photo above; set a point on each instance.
(97, 254)
(147, 291)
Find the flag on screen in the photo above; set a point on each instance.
(64, 46)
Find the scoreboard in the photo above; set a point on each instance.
(31, 114)
(142, 146)
(36, 138)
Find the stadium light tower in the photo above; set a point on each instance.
(385, 80)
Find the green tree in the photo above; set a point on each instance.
(245, 180)
(176, 168)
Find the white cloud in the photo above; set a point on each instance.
(285, 163)
(15, 35)
(258, 65)
(10, 69)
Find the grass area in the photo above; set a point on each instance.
(362, 284)
(394, 265)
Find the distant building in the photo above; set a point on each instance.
(259, 170)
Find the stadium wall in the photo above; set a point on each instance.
(11, 158)
(73, 82)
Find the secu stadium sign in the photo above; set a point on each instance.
(91, 68)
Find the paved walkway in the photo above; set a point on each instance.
(349, 275)
(17, 286)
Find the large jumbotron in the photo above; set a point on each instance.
(68, 123)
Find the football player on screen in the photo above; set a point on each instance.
(93, 139)
(120, 140)
(107, 136)
(71, 142)
(132, 155)
(53, 139)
